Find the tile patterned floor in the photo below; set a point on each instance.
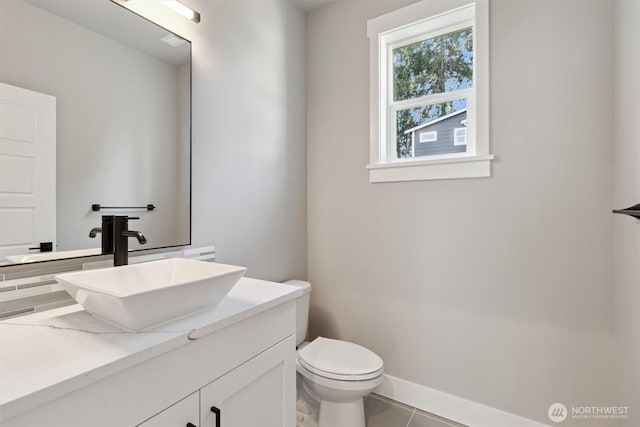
(382, 412)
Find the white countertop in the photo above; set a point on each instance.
(48, 354)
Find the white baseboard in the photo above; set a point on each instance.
(449, 406)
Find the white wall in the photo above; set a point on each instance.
(497, 290)
(249, 171)
(111, 147)
(627, 193)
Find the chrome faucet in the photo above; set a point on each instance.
(121, 235)
(115, 237)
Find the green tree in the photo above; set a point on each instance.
(439, 64)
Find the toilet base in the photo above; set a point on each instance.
(342, 414)
(306, 414)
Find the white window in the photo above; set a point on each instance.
(460, 136)
(429, 136)
(429, 61)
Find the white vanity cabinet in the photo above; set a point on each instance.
(239, 360)
(253, 394)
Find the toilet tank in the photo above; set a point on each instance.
(302, 309)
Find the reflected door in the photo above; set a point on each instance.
(27, 169)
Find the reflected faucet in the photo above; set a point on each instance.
(115, 237)
(121, 235)
(107, 233)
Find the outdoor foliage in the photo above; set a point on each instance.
(436, 65)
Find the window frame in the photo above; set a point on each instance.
(400, 28)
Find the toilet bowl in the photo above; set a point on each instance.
(333, 376)
(339, 374)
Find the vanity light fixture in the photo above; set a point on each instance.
(182, 9)
(177, 7)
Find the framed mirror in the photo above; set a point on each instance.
(121, 90)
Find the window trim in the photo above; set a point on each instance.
(396, 27)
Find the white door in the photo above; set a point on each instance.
(27, 169)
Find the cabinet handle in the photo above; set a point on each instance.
(191, 425)
(217, 412)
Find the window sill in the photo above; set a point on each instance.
(420, 170)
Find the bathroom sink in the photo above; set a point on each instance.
(140, 296)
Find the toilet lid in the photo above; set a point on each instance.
(340, 360)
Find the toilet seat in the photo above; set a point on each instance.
(340, 360)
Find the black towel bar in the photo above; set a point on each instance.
(97, 207)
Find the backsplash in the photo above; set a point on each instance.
(34, 288)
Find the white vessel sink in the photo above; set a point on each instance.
(137, 297)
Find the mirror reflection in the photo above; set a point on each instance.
(95, 109)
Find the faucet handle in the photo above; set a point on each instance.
(124, 217)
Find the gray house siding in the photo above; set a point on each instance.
(444, 143)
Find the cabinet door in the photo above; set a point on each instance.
(259, 393)
(184, 413)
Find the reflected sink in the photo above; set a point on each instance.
(51, 256)
(140, 296)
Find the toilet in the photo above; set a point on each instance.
(333, 376)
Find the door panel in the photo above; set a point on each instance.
(16, 175)
(259, 393)
(21, 231)
(18, 123)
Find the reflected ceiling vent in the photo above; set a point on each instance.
(173, 40)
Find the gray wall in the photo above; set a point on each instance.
(627, 193)
(249, 195)
(503, 295)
